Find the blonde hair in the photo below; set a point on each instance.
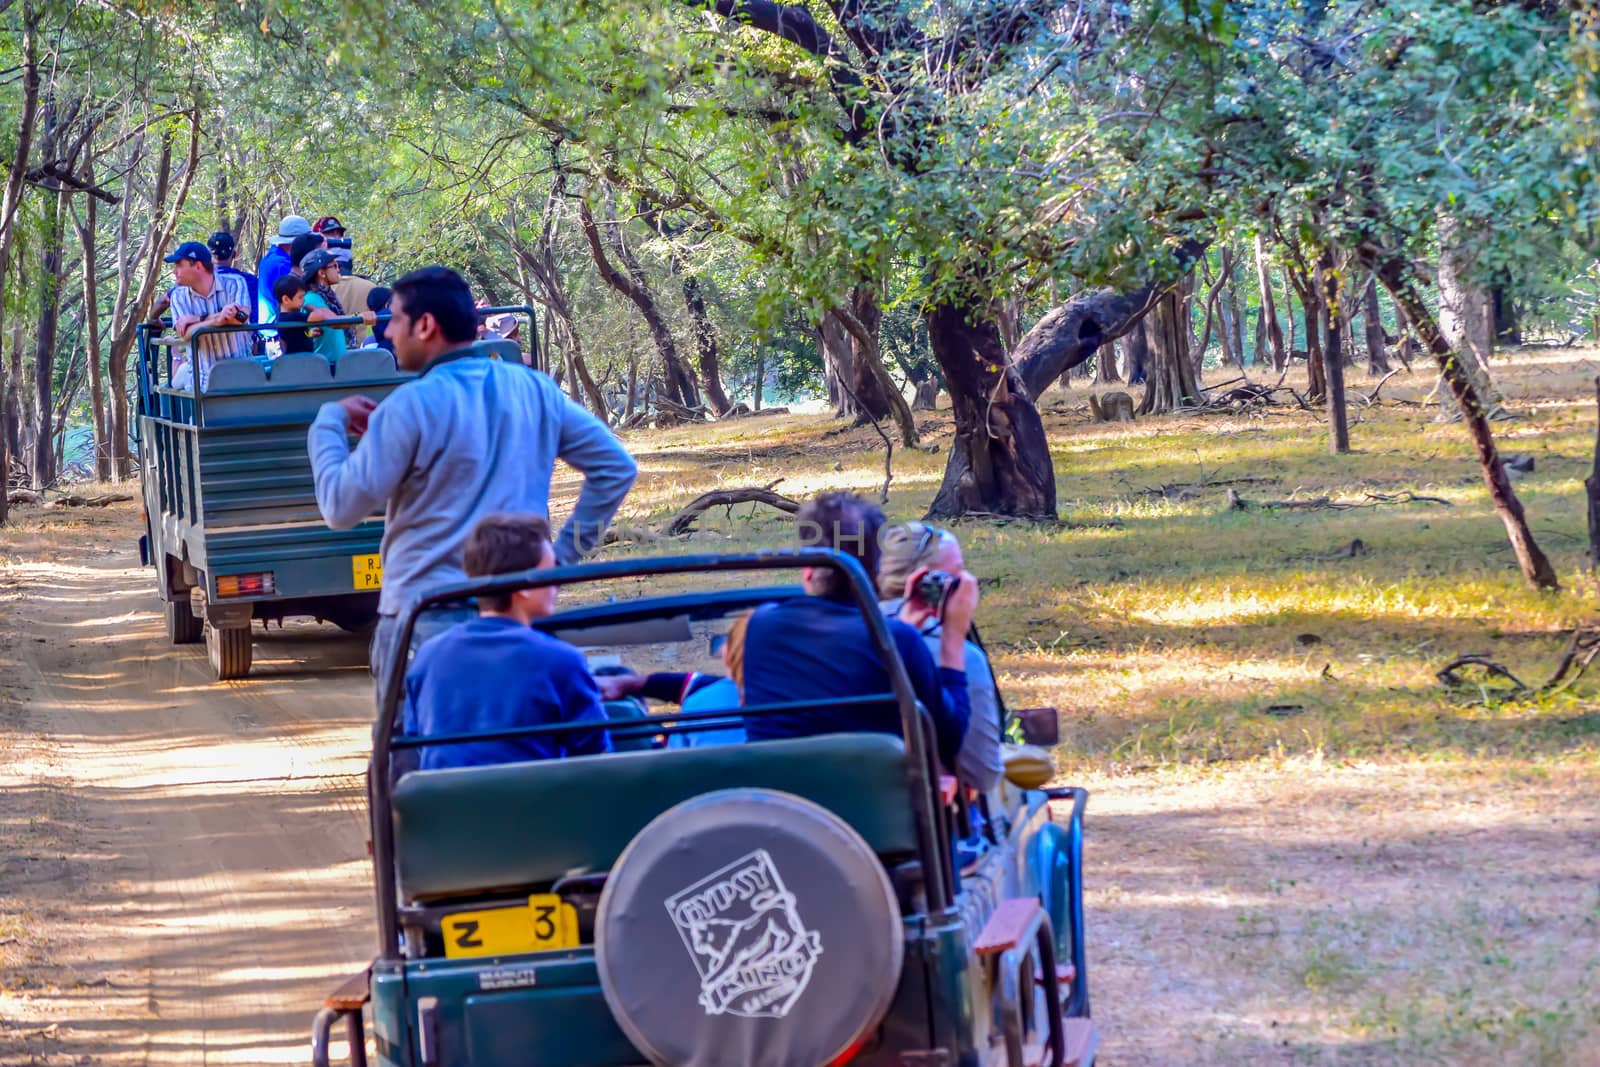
(904, 547)
(733, 649)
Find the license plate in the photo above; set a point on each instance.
(544, 924)
(368, 571)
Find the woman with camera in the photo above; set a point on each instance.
(918, 566)
(321, 272)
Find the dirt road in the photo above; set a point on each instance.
(183, 866)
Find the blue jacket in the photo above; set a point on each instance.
(274, 265)
(493, 673)
(813, 648)
(252, 284)
(470, 437)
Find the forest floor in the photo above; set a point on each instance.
(1302, 847)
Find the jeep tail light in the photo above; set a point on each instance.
(234, 585)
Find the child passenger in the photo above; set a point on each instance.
(497, 673)
(293, 332)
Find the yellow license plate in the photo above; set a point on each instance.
(368, 571)
(544, 924)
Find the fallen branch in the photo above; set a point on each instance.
(1447, 674)
(1372, 397)
(100, 501)
(1324, 503)
(684, 520)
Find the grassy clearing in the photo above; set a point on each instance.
(1170, 629)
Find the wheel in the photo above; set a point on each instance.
(748, 927)
(183, 628)
(229, 651)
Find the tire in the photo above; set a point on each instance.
(229, 651)
(748, 928)
(183, 628)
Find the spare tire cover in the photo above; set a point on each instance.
(748, 928)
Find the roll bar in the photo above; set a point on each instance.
(921, 769)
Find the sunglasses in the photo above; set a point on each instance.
(931, 535)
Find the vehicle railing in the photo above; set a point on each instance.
(916, 727)
(149, 382)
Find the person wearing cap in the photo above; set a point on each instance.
(276, 263)
(203, 298)
(332, 229)
(223, 248)
(321, 272)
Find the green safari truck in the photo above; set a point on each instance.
(232, 525)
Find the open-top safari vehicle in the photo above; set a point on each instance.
(233, 529)
(792, 903)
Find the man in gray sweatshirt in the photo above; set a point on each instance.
(469, 437)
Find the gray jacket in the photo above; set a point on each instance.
(470, 437)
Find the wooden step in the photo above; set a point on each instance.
(1006, 926)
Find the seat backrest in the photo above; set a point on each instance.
(229, 374)
(508, 350)
(476, 829)
(365, 363)
(300, 368)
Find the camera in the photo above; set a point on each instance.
(339, 242)
(933, 587)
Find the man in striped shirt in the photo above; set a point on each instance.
(202, 297)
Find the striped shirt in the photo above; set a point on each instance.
(226, 289)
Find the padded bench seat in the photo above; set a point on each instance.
(476, 829)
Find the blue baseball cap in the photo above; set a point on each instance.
(191, 250)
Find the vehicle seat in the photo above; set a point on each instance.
(365, 363)
(301, 368)
(468, 830)
(230, 374)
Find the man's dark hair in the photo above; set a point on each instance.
(304, 245)
(442, 293)
(287, 286)
(845, 522)
(502, 543)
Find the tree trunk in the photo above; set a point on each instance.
(1507, 322)
(1395, 273)
(761, 373)
(999, 462)
(1591, 487)
(1464, 315)
(1234, 308)
(1105, 365)
(1269, 312)
(680, 386)
(1333, 300)
(1171, 384)
(91, 329)
(838, 365)
(9, 201)
(1372, 317)
(1138, 345)
(1288, 314)
(869, 362)
(50, 257)
(705, 339)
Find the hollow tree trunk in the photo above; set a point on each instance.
(1333, 299)
(1269, 312)
(999, 462)
(1138, 346)
(1395, 273)
(1171, 383)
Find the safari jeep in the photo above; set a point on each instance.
(793, 903)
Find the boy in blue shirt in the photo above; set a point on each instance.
(495, 672)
